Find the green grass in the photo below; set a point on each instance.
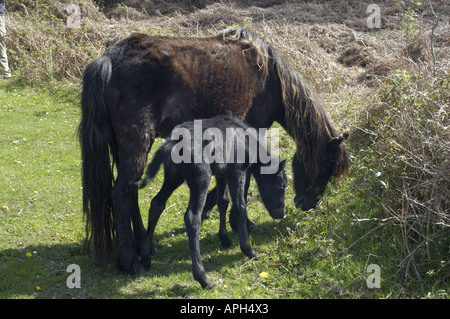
(41, 227)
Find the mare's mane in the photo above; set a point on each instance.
(305, 118)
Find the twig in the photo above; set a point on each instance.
(378, 220)
(367, 234)
(432, 37)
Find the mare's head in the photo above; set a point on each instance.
(310, 186)
(272, 188)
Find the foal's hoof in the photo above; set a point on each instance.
(207, 285)
(250, 253)
(234, 227)
(204, 282)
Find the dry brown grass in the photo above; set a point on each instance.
(326, 40)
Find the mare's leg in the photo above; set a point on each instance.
(138, 226)
(133, 146)
(198, 185)
(124, 196)
(222, 205)
(172, 180)
(233, 220)
(236, 183)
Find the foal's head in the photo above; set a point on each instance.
(309, 187)
(272, 188)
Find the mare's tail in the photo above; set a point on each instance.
(96, 140)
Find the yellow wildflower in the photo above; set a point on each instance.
(264, 275)
(29, 254)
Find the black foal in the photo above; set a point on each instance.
(204, 151)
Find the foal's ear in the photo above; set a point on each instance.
(345, 135)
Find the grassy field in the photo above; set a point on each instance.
(41, 224)
(306, 255)
(381, 86)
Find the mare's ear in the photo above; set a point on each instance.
(335, 142)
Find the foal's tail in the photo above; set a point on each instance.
(96, 140)
(161, 156)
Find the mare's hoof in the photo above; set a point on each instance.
(225, 242)
(146, 263)
(138, 268)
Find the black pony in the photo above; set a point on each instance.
(221, 160)
(143, 86)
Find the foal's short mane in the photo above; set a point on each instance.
(305, 118)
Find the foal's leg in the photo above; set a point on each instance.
(172, 180)
(233, 221)
(211, 200)
(236, 184)
(198, 186)
(222, 204)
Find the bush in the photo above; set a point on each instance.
(407, 136)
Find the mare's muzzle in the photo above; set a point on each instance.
(305, 202)
(278, 213)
